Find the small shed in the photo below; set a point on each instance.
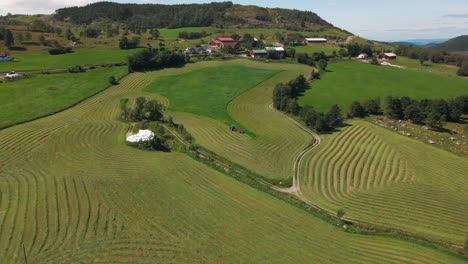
(258, 53)
(363, 56)
(388, 56)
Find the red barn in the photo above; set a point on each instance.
(388, 56)
(221, 42)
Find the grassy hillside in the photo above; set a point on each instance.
(28, 98)
(351, 81)
(73, 192)
(208, 91)
(44, 61)
(456, 44)
(381, 177)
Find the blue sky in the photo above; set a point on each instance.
(394, 20)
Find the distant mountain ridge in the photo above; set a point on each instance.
(221, 14)
(419, 42)
(456, 44)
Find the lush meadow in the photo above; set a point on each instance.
(44, 61)
(26, 99)
(73, 192)
(351, 81)
(208, 91)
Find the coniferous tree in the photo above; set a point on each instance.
(8, 38)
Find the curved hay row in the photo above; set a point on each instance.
(375, 177)
(271, 152)
(74, 192)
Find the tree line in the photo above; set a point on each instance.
(432, 112)
(151, 59)
(435, 56)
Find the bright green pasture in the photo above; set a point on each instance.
(25, 99)
(43, 61)
(207, 91)
(316, 48)
(351, 81)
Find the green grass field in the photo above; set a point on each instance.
(44, 61)
(277, 141)
(436, 68)
(73, 192)
(316, 48)
(26, 99)
(208, 91)
(351, 81)
(381, 177)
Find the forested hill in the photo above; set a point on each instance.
(225, 14)
(456, 44)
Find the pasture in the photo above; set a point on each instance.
(274, 141)
(207, 91)
(436, 68)
(381, 177)
(44, 61)
(351, 81)
(26, 99)
(73, 192)
(316, 48)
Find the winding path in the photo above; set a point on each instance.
(295, 189)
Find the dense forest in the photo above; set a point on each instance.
(456, 44)
(221, 14)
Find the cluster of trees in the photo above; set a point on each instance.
(249, 42)
(435, 56)
(285, 99)
(60, 50)
(7, 37)
(91, 32)
(125, 43)
(432, 112)
(150, 59)
(322, 122)
(193, 35)
(144, 110)
(354, 49)
(41, 26)
(316, 59)
(142, 17)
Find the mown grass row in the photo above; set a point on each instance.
(276, 143)
(383, 178)
(74, 192)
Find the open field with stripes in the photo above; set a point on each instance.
(72, 191)
(381, 177)
(276, 141)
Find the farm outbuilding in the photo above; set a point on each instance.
(363, 56)
(314, 40)
(221, 42)
(258, 53)
(388, 56)
(279, 51)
